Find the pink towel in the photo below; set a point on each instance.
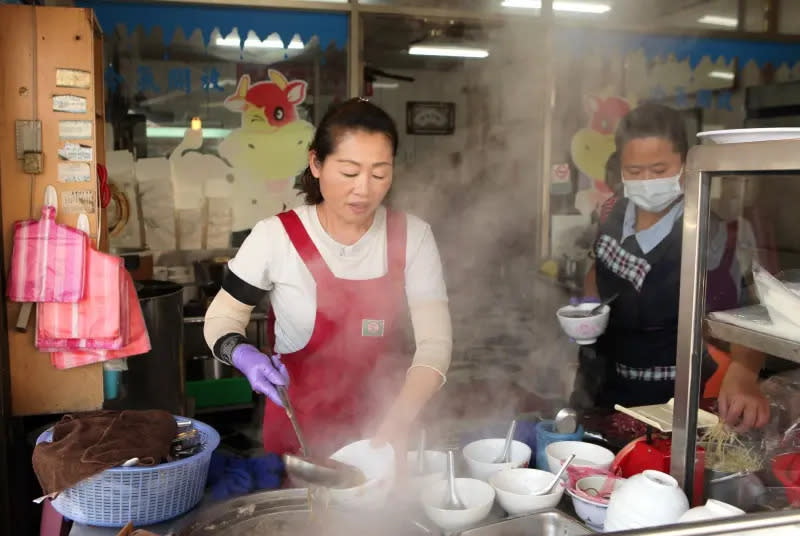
(47, 261)
(93, 322)
(138, 340)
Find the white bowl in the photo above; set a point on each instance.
(592, 513)
(646, 500)
(480, 456)
(586, 455)
(514, 489)
(377, 464)
(584, 330)
(435, 470)
(713, 509)
(477, 496)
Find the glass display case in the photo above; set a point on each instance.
(771, 169)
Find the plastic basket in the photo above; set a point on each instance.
(142, 495)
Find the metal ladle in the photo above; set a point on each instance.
(311, 470)
(566, 421)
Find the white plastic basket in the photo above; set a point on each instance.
(142, 495)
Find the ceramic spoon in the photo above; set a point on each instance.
(556, 478)
(505, 457)
(452, 502)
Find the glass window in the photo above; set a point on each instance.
(789, 17)
(214, 124)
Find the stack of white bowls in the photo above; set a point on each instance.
(649, 499)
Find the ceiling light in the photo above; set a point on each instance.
(296, 43)
(179, 132)
(448, 51)
(571, 7)
(717, 20)
(722, 75)
(385, 85)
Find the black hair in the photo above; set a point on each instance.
(651, 120)
(353, 114)
(613, 172)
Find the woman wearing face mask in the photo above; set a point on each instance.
(340, 272)
(638, 255)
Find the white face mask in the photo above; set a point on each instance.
(654, 195)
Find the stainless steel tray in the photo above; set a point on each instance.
(286, 512)
(546, 523)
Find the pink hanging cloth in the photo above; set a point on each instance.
(134, 332)
(48, 260)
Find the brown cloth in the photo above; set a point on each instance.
(87, 444)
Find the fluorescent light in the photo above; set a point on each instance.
(232, 40)
(448, 51)
(385, 85)
(717, 20)
(179, 132)
(572, 7)
(296, 43)
(273, 41)
(722, 75)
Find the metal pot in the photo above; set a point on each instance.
(743, 489)
(205, 367)
(209, 275)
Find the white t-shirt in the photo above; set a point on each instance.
(268, 260)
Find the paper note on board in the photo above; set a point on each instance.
(75, 202)
(76, 130)
(73, 78)
(74, 172)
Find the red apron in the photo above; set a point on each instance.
(349, 368)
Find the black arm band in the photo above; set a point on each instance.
(242, 290)
(223, 348)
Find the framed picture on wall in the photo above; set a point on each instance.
(430, 118)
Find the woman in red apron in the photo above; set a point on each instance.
(341, 271)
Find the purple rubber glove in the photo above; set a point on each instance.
(262, 371)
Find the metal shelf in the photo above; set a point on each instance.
(763, 342)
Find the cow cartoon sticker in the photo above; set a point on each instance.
(256, 164)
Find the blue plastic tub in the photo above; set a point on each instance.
(545, 434)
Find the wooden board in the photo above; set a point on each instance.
(33, 43)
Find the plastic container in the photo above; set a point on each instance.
(141, 495)
(222, 392)
(546, 434)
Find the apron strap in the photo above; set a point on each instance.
(396, 244)
(305, 247)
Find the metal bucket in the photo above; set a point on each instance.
(156, 380)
